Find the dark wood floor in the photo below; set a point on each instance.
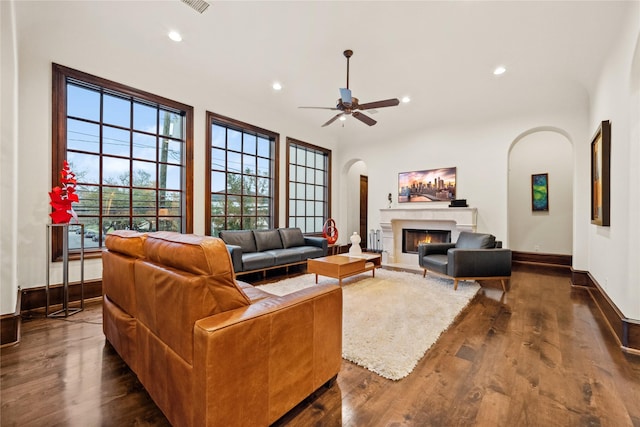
(538, 356)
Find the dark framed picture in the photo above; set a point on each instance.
(431, 185)
(601, 175)
(540, 192)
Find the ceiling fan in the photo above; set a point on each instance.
(348, 104)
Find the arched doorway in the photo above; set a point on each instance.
(548, 151)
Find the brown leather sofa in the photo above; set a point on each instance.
(208, 349)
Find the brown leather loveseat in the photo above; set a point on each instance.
(210, 350)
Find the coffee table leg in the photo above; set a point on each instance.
(316, 278)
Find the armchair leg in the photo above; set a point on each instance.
(455, 284)
(424, 273)
(504, 286)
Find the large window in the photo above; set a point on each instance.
(131, 152)
(308, 186)
(242, 166)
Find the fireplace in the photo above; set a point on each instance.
(393, 221)
(412, 237)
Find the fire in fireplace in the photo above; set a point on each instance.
(411, 238)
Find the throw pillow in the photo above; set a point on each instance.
(267, 239)
(291, 237)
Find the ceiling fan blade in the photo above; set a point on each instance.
(364, 118)
(345, 95)
(379, 104)
(332, 119)
(322, 108)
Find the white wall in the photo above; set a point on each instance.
(8, 160)
(613, 252)
(550, 232)
(352, 187)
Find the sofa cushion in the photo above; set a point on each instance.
(199, 255)
(267, 239)
(257, 260)
(291, 237)
(468, 240)
(285, 256)
(242, 238)
(127, 242)
(307, 252)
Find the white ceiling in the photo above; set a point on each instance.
(441, 54)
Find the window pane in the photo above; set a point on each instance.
(169, 224)
(144, 225)
(300, 208)
(319, 193)
(249, 222)
(311, 159)
(310, 191)
(264, 206)
(145, 117)
(264, 147)
(144, 174)
(85, 166)
(234, 140)
(249, 185)
(234, 162)
(310, 176)
(300, 174)
(263, 223)
(115, 171)
(233, 205)
(310, 225)
(218, 134)
(83, 103)
(170, 203)
(89, 200)
(264, 167)
(320, 177)
(144, 146)
(233, 223)
(170, 124)
(116, 111)
(217, 225)
(320, 162)
(144, 202)
(234, 183)
(300, 156)
(249, 164)
(217, 159)
(173, 179)
(116, 141)
(115, 201)
(249, 205)
(218, 182)
(83, 136)
(249, 144)
(318, 225)
(292, 190)
(310, 208)
(300, 194)
(170, 151)
(263, 186)
(217, 204)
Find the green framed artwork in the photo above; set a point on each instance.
(540, 192)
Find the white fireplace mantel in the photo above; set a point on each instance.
(392, 221)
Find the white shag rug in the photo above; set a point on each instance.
(390, 321)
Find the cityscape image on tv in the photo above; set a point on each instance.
(433, 185)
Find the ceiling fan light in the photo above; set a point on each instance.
(342, 118)
(406, 99)
(499, 70)
(277, 86)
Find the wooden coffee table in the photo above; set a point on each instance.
(345, 265)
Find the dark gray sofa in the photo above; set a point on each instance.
(261, 250)
(474, 256)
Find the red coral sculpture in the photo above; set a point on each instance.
(62, 197)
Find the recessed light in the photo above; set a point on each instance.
(175, 36)
(342, 118)
(499, 70)
(276, 86)
(406, 99)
